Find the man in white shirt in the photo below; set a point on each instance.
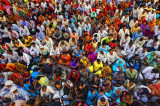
(87, 26)
(139, 42)
(125, 40)
(44, 4)
(142, 52)
(24, 30)
(24, 58)
(135, 11)
(102, 33)
(47, 93)
(133, 22)
(43, 50)
(152, 44)
(34, 50)
(68, 30)
(129, 50)
(125, 18)
(78, 30)
(48, 42)
(123, 31)
(55, 52)
(40, 27)
(112, 57)
(149, 75)
(102, 56)
(12, 56)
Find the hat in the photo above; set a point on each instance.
(13, 89)
(8, 82)
(103, 99)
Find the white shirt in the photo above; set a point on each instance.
(41, 28)
(34, 50)
(132, 23)
(44, 4)
(124, 41)
(49, 42)
(13, 57)
(49, 90)
(124, 19)
(87, 8)
(141, 54)
(87, 27)
(102, 57)
(26, 58)
(128, 50)
(81, 25)
(112, 58)
(37, 42)
(139, 43)
(148, 75)
(122, 32)
(150, 42)
(54, 52)
(24, 31)
(60, 17)
(103, 33)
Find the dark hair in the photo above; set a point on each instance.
(155, 70)
(20, 54)
(27, 80)
(30, 102)
(44, 87)
(92, 89)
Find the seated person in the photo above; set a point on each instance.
(116, 94)
(107, 72)
(77, 52)
(131, 73)
(92, 57)
(150, 59)
(94, 82)
(127, 98)
(152, 45)
(74, 64)
(142, 52)
(135, 61)
(65, 59)
(104, 48)
(28, 40)
(84, 74)
(112, 57)
(129, 85)
(92, 96)
(102, 56)
(120, 65)
(30, 88)
(63, 46)
(113, 45)
(149, 75)
(72, 43)
(118, 78)
(55, 52)
(97, 67)
(103, 101)
(89, 48)
(74, 77)
(124, 40)
(107, 39)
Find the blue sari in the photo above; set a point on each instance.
(103, 49)
(118, 64)
(91, 97)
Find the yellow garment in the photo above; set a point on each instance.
(96, 67)
(107, 72)
(44, 81)
(95, 45)
(28, 42)
(84, 61)
(134, 29)
(141, 15)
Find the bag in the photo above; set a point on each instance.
(17, 78)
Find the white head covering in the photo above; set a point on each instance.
(41, 46)
(8, 82)
(13, 89)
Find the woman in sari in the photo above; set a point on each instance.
(107, 72)
(65, 59)
(97, 67)
(120, 65)
(104, 48)
(28, 40)
(89, 48)
(93, 57)
(150, 59)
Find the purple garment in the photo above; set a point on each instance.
(93, 56)
(143, 27)
(148, 33)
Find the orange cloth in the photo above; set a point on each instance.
(65, 59)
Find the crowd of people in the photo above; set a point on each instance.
(79, 52)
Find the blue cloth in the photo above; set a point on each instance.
(22, 94)
(91, 97)
(73, 20)
(114, 95)
(40, 36)
(77, 53)
(103, 49)
(27, 88)
(25, 23)
(118, 64)
(34, 75)
(136, 35)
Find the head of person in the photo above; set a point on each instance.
(80, 85)
(14, 90)
(93, 91)
(58, 84)
(27, 81)
(110, 36)
(98, 61)
(102, 100)
(9, 52)
(111, 52)
(8, 83)
(119, 91)
(126, 36)
(44, 88)
(20, 54)
(155, 70)
(101, 52)
(73, 74)
(30, 102)
(131, 68)
(41, 47)
(119, 73)
(136, 56)
(33, 44)
(130, 44)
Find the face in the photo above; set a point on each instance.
(44, 90)
(80, 87)
(58, 86)
(111, 52)
(118, 91)
(8, 86)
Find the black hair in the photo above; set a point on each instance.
(20, 54)
(30, 102)
(44, 87)
(92, 89)
(155, 70)
(27, 80)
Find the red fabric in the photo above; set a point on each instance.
(112, 45)
(2, 66)
(6, 46)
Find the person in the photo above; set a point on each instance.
(34, 50)
(112, 57)
(55, 52)
(17, 94)
(48, 42)
(103, 101)
(142, 52)
(92, 97)
(44, 50)
(46, 94)
(107, 39)
(65, 59)
(135, 61)
(118, 78)
(97, 67)
(131, 73)
(77, 52)
(127, 98)
(129, 50)
(152, 45)
(139, 42)
(24, 58)
(149, 75)
(74, 76)
(102, 56)
(120, 65)
(150, 59)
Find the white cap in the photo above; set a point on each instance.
(13, 89)
(8, 82)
